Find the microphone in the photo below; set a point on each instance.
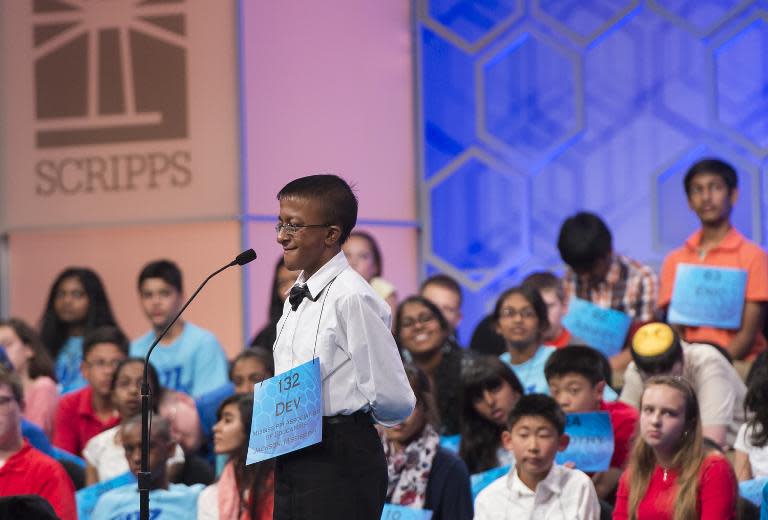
(144, 475)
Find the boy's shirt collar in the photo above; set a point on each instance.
(551, 483)
(318, 281)
(731, 241)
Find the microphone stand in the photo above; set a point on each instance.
(144, 476)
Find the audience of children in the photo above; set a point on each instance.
(425, 339)
(76, 305)
(656, 350)
(422, 474)
(489, 392)
(670, 474)
(189, 358)
(29, 359)
(521, 319)
(535, 486)
(577, 382)
(687, 394)
(242, 492)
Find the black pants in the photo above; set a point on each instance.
(344, 477)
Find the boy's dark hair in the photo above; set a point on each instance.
(538, 405)
(260, 354)
(584, 239)
(444, 281)
(534, 298)
(714, 166)
(546, 280)
(581, 360)
(166, 270)
(11, 378)
(660, 363)
(338, 200)
(105, 334)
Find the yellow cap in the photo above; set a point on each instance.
(653, 339)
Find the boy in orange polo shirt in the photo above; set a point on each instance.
(711, 187)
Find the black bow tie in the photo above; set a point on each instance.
(298, 293)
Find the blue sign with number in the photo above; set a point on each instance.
(591, 441)
(602, 329)
(480, 481)
(395, 512)
(87, 497)
(708, 296)
(752, 490)
(287, 413)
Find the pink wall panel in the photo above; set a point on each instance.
(118, 254)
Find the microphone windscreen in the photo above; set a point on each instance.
(245, 257)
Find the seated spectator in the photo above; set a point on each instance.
(536, 487)
(364, 255)
(751, 446)
(282, 282)
(34, 366)
(597, 274)
(521, 319)
(657, 350)
(241, 490)
(89, 411)
(577, 382)
(422, 474)
(489, 392)
(711, 186)
(76, 305)
(104, 454)
(445, 292)
(251, 366)
(424, 335)
(166, 500)
(23, 469)
(188, 359)
(550, 288)
(670, 475)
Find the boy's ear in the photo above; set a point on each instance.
(83, 366)
(564, 441)
(333, 234)
(506, 440)
(734, 196)
(598, 390)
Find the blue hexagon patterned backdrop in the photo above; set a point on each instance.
(532, 110)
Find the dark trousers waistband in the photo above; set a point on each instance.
(358, 417)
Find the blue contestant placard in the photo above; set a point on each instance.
(480, 481)
(602, 329)
(708, 296)
(752, 490)
(395, 512)
(591, 444)
(87, 497)
(451, 442)
(287, 413)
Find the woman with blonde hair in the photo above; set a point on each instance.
(670, 474)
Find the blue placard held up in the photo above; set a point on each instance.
(752, 490)
(480, 481)
(708, 296)
(591, 444)
(602, 329)
(287, 413)
(395, 512)
(87, 497)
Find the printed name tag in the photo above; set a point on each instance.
(287, 413)
(87, 497)
(708, 296)
(393, 512)
(480, 481)
(602, 329)
(591, 444)
(752, 490)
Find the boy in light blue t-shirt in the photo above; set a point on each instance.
(189, 358)
(166, 501)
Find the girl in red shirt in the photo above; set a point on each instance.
(670, 475)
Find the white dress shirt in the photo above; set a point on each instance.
(346, 325)
(565, 494)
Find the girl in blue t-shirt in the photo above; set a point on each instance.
(77, 304)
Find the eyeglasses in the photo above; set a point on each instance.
(292, 229)
(103, 363)
(509, 312)
(424, 317)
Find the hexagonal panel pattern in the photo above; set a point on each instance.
(530, 116)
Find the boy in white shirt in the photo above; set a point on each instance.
(536, 487)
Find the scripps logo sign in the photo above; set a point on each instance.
(110, 72)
